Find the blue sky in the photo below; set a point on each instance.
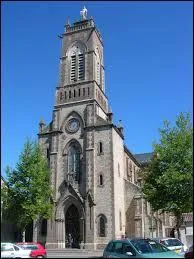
(148, 66)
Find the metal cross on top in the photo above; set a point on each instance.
(83, 13)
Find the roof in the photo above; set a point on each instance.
(144, 157)
(131, 155)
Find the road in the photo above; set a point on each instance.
(71, 253)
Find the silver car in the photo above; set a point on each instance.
(9, 250)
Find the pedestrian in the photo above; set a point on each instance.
(70, 240)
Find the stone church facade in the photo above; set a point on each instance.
(95, 181)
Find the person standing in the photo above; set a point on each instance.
(70, 240)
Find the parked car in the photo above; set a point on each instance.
(37, 249)
(10, 250)
(173, 244)
(138, 248)
(189, 253)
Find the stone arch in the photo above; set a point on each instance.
(72, 141)
(63, 218)
(64, 204)
(76, 47)
(73, 114)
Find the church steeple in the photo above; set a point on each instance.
(81, 63)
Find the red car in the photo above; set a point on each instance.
(189, 253)
(37, 249)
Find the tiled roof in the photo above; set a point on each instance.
(144, 158)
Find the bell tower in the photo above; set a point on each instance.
(78, 142)
(81, 64)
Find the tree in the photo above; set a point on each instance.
(168, 179)
(27, 195)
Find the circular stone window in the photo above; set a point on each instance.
(72, 125)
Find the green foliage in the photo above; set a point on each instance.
(28, 192)
(168, 180)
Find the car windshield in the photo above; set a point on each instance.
(172, 242)
(145, 246)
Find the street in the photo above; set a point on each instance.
(73, 253)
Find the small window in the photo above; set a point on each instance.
(88, 91)
(83, 91)
(120, 220)
(79, 92)
(65, 95)
(101, 179)
(69, 94)
(74, 93)
(47, 153)
(102, 224)
(100, 148)
(130, 166)
(127, 167)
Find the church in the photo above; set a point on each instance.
(95, 178)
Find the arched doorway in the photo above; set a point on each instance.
(72, 225)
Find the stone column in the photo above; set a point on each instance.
(50, 241)
(82, 231)
(60, 233)
(142, 217)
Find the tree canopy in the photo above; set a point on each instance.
(168, 179)
(27, 193)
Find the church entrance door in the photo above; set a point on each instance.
(72, 225)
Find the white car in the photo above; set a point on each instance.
(174, 244)
(9, 250)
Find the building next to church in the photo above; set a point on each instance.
(96, 186)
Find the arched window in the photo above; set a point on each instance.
(74, 161)
(102, 225)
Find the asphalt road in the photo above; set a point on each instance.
(71, 254)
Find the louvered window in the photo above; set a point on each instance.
(73, 68)
(98, 73)
(80, 67)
